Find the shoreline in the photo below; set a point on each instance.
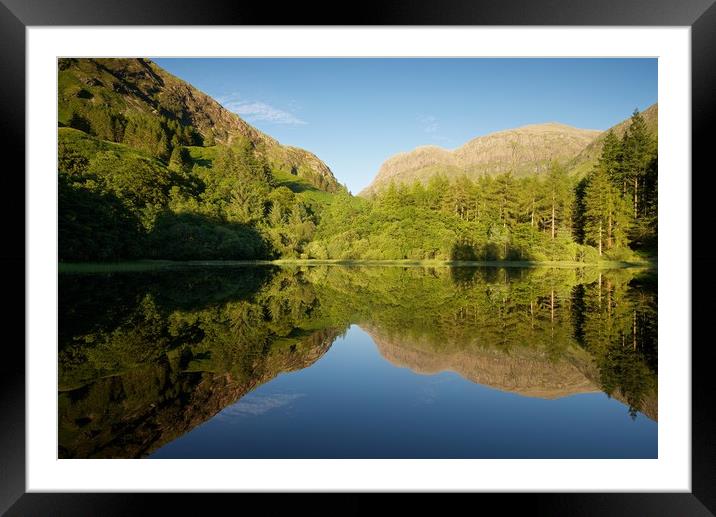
(149, 265)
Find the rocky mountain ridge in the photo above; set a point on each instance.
(524, 150)
(136, 102)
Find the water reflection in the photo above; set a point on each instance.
(146, 357)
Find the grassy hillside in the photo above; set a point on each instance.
(300, 185)
(137, 103)
(151, 168)
(89, 146)
(120, 202)
(584, 162)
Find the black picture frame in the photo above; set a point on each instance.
(16, 15)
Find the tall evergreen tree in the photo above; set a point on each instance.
(611, 159)
(597, 209)
(557, 200)
(606, 215)
(637, 149)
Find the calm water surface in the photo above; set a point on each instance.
(358, 362)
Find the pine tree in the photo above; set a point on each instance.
(527, 193)
(621, 221)
(505, 199)
(611, 160)
(607, 215)
(436, 190)
(418, 193)
(225, 162)
(597, 209)
(459, 196)
(390, 198)
(637, 149)
(557, 199)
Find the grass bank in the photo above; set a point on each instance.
(150, 265)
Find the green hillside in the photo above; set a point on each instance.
(137, 103)
(586, 160)
(218, 202)
(151, 168)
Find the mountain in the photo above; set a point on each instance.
(581, 164)
(150, 418)
(137, 103)
(526, 371)
(523, 150)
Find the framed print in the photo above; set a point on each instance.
(419, 253)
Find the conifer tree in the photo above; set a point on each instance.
(611, 161)
(557, 200)
(390, 199)
(607, 214)
(637, 151)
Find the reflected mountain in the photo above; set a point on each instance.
(527, 372)
(145, 357)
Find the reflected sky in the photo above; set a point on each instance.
(353, 403)
(358, 362)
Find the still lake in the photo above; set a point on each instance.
(335, 361)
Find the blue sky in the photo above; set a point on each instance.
(356, 113)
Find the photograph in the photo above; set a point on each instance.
(448, 249)
(357, 257)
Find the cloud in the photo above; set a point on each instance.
(259, 404)
(258, 111)
(429, 123)
(261, 111)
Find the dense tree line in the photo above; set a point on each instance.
(157, 135)
(121, 203)
(144, 358)
(551, 217)
(493, 218)
(620, 195)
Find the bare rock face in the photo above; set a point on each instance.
(528, 149)
(418, 158)
(526, 372)
(525, 150)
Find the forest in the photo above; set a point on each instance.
(151, 168)
(119, 203)
(610, 213)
